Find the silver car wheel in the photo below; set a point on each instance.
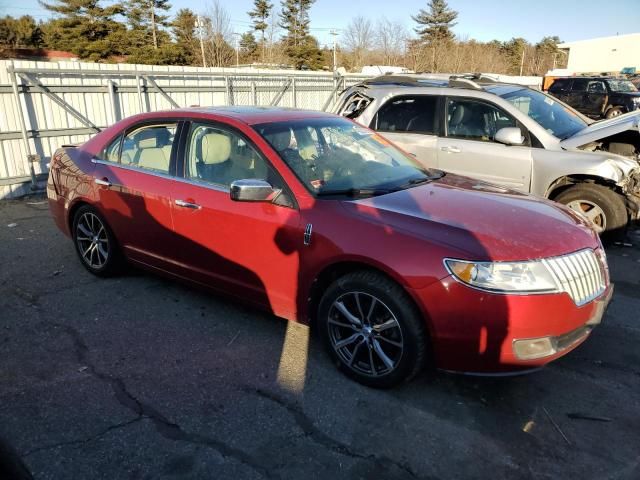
(591, 212)
(365, 334)
(92, 240)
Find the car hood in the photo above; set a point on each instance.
(602, 129)
(479, 220)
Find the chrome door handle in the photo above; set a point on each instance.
(182, 203)
(104, 183)
(451, 149)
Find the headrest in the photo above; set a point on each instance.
(458, 115)
(280, 140)
(147, 138)
(216, 148)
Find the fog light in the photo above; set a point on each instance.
(533, 348)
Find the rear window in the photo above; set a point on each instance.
(354, 105)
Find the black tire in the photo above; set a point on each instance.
(106, 259)
(614, 112)
(615, 218)
(393, 316)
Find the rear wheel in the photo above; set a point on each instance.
(614, 112)
(372, 330)
(603, 207)
(94, 242)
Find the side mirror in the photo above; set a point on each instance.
(252, 190)
(509, 136)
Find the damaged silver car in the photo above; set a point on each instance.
(509, 135)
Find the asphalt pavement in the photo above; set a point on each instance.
(138, 377)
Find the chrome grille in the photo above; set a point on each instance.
(580, 274)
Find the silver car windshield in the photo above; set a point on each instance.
(335, 156)
(554, 117)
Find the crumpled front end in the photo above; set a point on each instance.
(631, 188)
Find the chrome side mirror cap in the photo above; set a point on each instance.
(509, 136)
(252, 190)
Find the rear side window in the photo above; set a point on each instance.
(560, 85)
(580, 84)
(411, 114)
(149, 147)
(112, 152)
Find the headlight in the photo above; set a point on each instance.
(504, 277)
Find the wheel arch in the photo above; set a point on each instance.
(329, 273)
(565, 182)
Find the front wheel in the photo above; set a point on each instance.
(372, 330)
(614, 112)
(601, 206)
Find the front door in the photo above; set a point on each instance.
(595, 98)
(247, 249)
(468, 146)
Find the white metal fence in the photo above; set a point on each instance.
(44, 105)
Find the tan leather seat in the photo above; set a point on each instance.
(150, 154)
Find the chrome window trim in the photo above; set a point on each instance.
(166, 176)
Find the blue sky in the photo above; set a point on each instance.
(479, 19)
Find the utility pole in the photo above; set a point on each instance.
(200, 27)
(522, 59)
(334, 33)
(237, 35)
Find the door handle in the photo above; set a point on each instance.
(182, 203)
(451, 149)
(104, 182)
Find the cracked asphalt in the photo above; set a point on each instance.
(137, 377)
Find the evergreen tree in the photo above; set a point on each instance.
(147, 21)
(84, 27)
(183, 27)
(20, 32)
(301, 48)
(259, 15)
(434, 25)
(248, 46)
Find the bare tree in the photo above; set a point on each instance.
(391, 40)
(359, 37)
(218, 35)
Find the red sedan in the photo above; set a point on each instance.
(320, 220)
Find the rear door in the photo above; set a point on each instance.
(246, 249)
(411, 122)
(134, 177)
(468, 146)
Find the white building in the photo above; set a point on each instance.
(605, 54)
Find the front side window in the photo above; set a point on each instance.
(596, 87)
(554, 117)
(334, 156)
(473, 120)
(149, 147)
(411, 114)
(219, 156)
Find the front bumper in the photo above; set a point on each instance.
(476, 332)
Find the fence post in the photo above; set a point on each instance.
(112, 99)
(294, 92)
(23, 128)
(140, 102)
(254, 93)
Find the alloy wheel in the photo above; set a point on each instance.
(365, 334)
(591, 212)
(92, 240)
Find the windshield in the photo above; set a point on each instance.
(554, 117)
(621, 86)
(334, 156)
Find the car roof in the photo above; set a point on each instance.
(253, 114)
(428, 84)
